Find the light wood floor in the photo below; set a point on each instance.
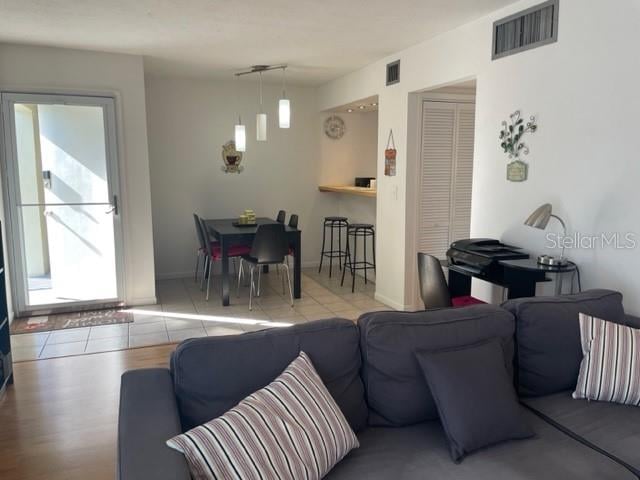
(59, 419)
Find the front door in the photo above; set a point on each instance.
(61, 176)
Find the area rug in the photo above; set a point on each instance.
(93, 318)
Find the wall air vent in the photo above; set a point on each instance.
(393, 72)
(531, 28)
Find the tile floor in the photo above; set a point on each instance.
(183, 312)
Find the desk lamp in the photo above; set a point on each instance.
(539, 219)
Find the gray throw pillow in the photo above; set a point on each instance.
(476, 400)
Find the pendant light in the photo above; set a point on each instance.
(240, 134)
(261, 119)
(284, 107)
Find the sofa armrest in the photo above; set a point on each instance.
(148, 418)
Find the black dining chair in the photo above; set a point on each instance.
(433, 285)
(270, 247)
(293, 223)
(214, 252)
(202, 252)
(281, 216)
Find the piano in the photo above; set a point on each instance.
(492, 261)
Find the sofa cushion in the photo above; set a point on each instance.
(611, 427)
(610, 368)
(548, 351)
(396, 390)
(474, 393)
(292, 428)
(212, 375)
(420, 452)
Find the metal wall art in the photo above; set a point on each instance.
(231, 158)
(512, 144)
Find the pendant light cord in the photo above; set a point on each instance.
(261, 109)
(283, 83)
(237, 99)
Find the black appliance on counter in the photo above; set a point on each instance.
(364, 181)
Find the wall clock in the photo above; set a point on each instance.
(334, 127)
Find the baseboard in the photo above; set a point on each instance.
(142, 301)
(391, 303)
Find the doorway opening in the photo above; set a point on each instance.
(61, 178)
(443, 139)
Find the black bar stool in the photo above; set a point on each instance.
(355, 231)
(333, 224)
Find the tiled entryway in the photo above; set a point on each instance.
(183, 312)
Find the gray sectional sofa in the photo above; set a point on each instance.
(370, 370)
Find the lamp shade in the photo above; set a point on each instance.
(240, 138)
(261, 127)
(540, 217)
(284, 113)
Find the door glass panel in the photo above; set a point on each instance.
(64, 204)
(69, 253)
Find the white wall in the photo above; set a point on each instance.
(189, 121)
(583, 90)
(43, 69)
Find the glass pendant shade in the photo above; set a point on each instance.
(261, 127)
(284, 113)
(241, 138)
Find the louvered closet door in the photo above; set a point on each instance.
(445, 175)
(463, 173)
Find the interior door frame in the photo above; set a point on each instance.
(14, 237)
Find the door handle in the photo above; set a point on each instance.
(114, 206)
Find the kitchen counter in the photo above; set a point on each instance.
(349, 189)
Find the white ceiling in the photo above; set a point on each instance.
(319, 39)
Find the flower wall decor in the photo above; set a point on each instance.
(512, 144)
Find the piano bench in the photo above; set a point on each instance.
(465, 301)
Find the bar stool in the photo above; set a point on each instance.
(355, 231)
(333, 224)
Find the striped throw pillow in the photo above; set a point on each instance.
(610, 368)
(290, 429)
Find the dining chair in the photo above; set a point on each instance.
(293, 223)
(433, 285)
(281, 216)
(269, 247)
(214, 252)
(202, 250)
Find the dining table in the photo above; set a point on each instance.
(227, 231)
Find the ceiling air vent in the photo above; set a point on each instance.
(531, 28)
(393, 72)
